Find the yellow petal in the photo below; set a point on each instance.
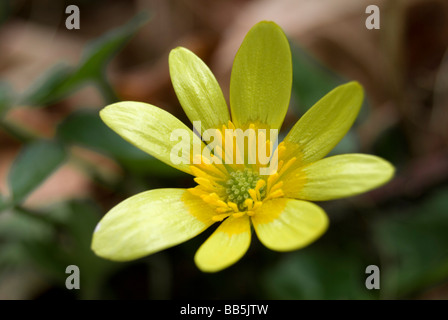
(225, 246)
(197, 89)
(325, 124)
(287, 224)
(149, 222)
(261, 79)
(338, 176)
(150, 129)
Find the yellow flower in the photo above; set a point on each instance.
(237, 194)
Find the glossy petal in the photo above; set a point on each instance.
(260, 84)
(149, 222)
(225, 246)
(287, 224)
(337, 177)
(325, 124)
(197, 90)
(150, 128)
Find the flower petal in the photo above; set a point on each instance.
(337, 177)
(261, 79)
(225, 246)
(150, 129)
(197, 89)
(287, 224)
(325, 124)
(149, 222)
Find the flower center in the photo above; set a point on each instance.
(237, 189)
(238, 186)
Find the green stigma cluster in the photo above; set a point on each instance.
(239, 184)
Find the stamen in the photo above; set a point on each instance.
(276, 186)
(272, 178)
(253, 195)
(238, 214)
(197, 191)
(214, 199)
(201, 173)
(275, 194)
(237, 189)
(280, 165)
(222, 209)
(220, 217)
(260, 184)
(288, 165)
(233, 206)
(249, 204)
(205, 183)
(257, 205)
(281, 149)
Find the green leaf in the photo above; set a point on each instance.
(98, 53)
(18, 227)
(69, 244)
(12, 255)
(5, 10)
(15, 229)
(50, 248)
(63, 80)
(3, 202)
(47, 88)
(6, 97)
(318, 274)
(85, 128)
(311, 79)
(413, 246)
(33, 165)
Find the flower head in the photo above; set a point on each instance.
(241, 183)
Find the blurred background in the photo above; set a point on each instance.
(62, 169)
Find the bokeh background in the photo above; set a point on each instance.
(62, 169)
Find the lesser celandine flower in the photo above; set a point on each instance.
(236, 195)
